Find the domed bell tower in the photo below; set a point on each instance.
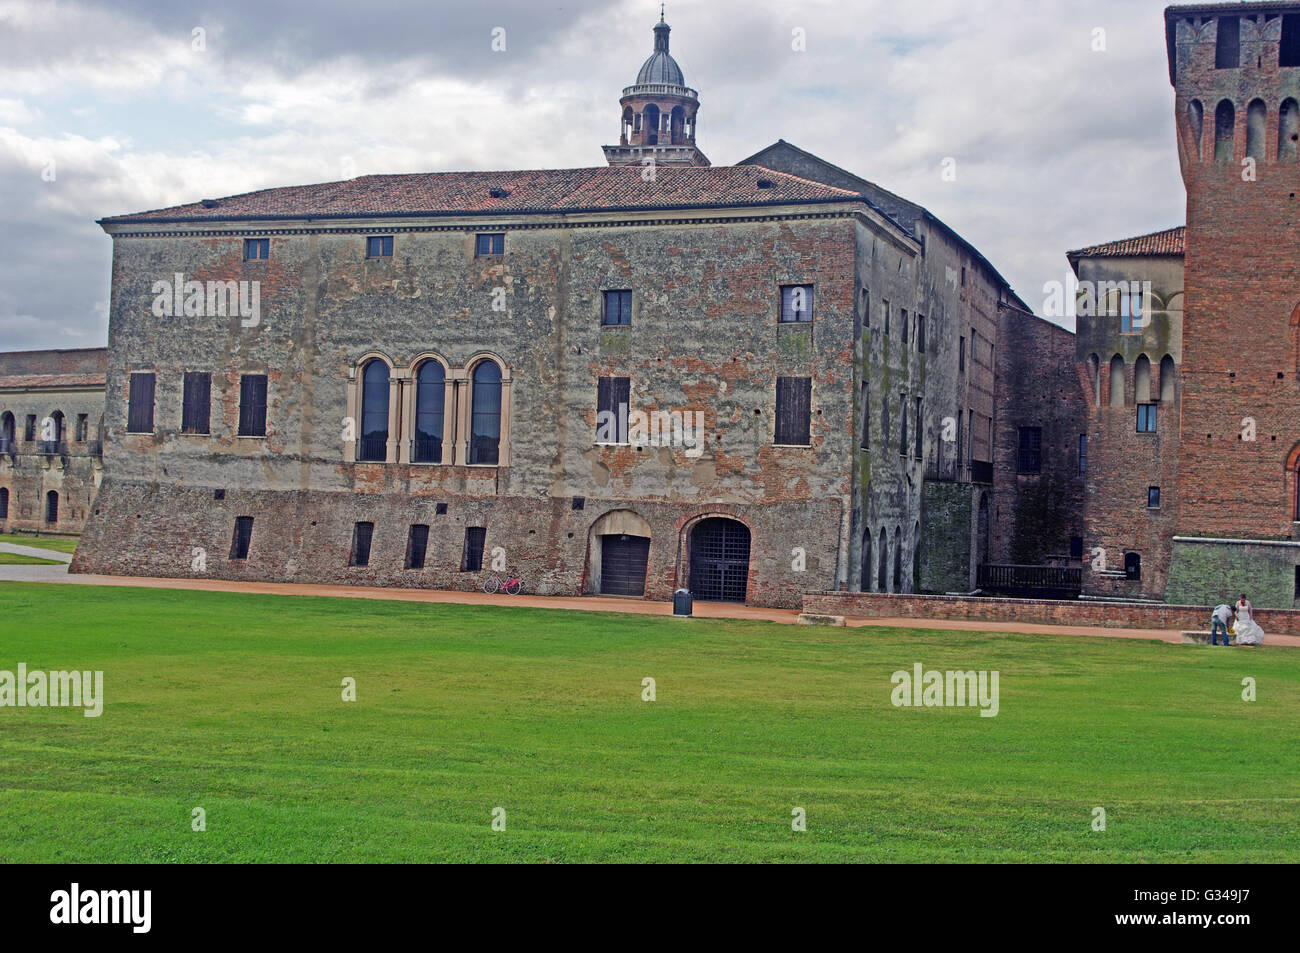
(658, 113)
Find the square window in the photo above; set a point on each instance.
(440, 509)
(796, 303)
(493, 243)
(257, 249)
(1146, 419)
(579, 502)
(379, 246)
(1153, 497)
(618, 308)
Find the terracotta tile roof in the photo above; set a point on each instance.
(1168, 242)
(470, 193)
(42, 381)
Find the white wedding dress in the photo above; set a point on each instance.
(1247, 629)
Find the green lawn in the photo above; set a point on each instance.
(62, 544)
(18, 559)
(232, 703)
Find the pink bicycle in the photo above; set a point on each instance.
(510, 585)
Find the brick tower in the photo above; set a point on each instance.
(1236, 72)
(658, 113)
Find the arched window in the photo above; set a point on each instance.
(898, 559)
(373, 444)
(1133, 565)
(1196, 121)
(56, 434)
(430, 397)
(1094, 377)
(7, 431)
(882, 563)
(485, 414)
(4, 502)
(866, 560)
(1142, 380)
(1288, 129)
(1166, 379)
(1117, 381)
(51, 507)
(1225, 122)
(1256, 119)
(650, 134)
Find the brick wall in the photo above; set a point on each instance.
(1033, 611)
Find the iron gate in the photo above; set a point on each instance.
(719, 560)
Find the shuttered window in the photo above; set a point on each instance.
(613, 394)
(252, 405)
(139, 414)
(196, 403)
(793, 411)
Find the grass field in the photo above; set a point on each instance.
(61, 544)
(18, 559)
(232, 703)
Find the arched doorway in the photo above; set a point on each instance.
(719, 550)
(865, 586)
(620, 551)
(51, 507)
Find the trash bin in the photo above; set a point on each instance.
(682, 602)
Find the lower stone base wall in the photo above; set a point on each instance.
(28, 478)
(1034, 611)
(306, 537)
(1221, 570)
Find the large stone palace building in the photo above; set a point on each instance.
(751, 380)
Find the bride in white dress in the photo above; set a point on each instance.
(1247, 629)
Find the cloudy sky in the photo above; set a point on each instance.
(108, 108)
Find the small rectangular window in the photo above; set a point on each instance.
(1297, 583)
(920, 334)
(796, 303)
(196, 403)
(257, 249)
(618, 308)
(1153, 497)
(902, 412)
(866, 308)
(961, 355)
(866, 417)
(83, 427)
(1076, 547)
(1083, 453)
(902, 320)
(1031, 449)
(793, 411)
(29, 427)
(243, 536)
(1146, 422)
(1130, 312)
(139, 415)
(918, 449)
(613, 394)
(1227, 52)
(252, 405)
(1289, 51)
(417, 542)
(472, 558)
(379, 246)
(884, 306)
(488, 244)
(362, 533)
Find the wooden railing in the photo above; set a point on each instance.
(1031, 582)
